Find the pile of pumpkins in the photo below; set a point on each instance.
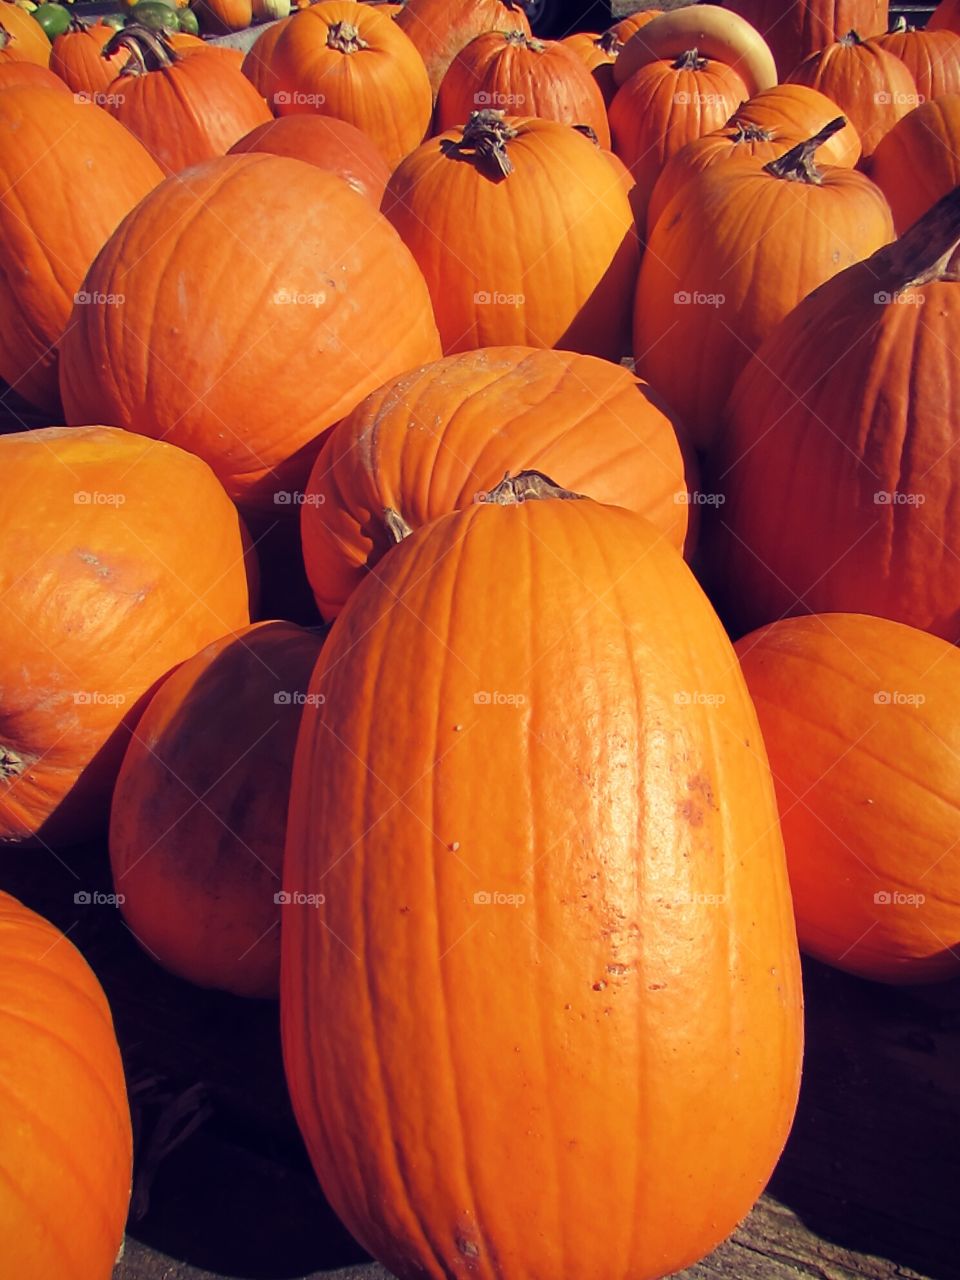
(491, 577)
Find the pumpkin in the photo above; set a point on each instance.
(795, 29)
(733, 252)
(51, 142)
(77, 57)
(22, 39)
(219, 17)
(860, 720)
(184, 108)
(869, 84)
(427, 442)
(348, 60)
(199, 882)
(795, 112)
(664, 106)
(29, 73)
(546, 858)
(257, 64)
(598, 53)
(630, 25)
(509, 71)
(569, 275)
(850, 386)
(933, 58)
(715, 33)
(440, 29)
(328, 143)
(918, 161)
(65, 1140)
(945, 17)
(320, 310)
(112, 595)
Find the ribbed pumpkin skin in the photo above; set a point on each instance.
(569, 276)
(796, 112)
(94, 613)
(598, 57)
(257, 65)
(191, 364)
(22, 38)
(756, 245)
(530, 78)
(383, 89)
(65, 1142)
(933, 58)
(199, 880)
(77, 58)
(445, 1147)
(795, 29)
(859, 717)
(326, 142)
(68, 174)
(870, 86)
(440, 29)
(427, 442)
(918, 161)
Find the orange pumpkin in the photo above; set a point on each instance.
(51, 142)
(257, 65)
(328, 143)
(629, 26)
(22, 39)
(860, 720)
(200, 881)
(320, 310)
(733, 252)
(569, 276)
(65, 1141)
(933, 58)
(184, 108)
(945, 17)
(440, 29)
(509, 71)
(78, 60)
(850, 386)
(427, 442)
(577, 851)
(598, 53)
(918, 161)
(869, 84)
(220, 17)
(795, 29)
(349, 60)
(29, 73)
(94, 613)
(793, 112)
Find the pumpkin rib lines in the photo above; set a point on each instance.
(51, 1225)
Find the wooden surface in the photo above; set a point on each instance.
(867, 1186)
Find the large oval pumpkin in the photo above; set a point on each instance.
(244, 345)
(200, 879)
(440, 29)
(429, 441)
(918, 161)
(65, 1142)
(861, 720)
(103, 588)
(556, 925)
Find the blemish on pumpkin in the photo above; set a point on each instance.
(404, 911)
(699, 783)
(454, 846)
(457, 728)
(691, 812)
(618, 970)
(656, 986)
(103, 570)
(600, 986)
(468, 1248)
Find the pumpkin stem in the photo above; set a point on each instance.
(525, 486)
(748, 132)
(850, 39)
(899, 27)
(609, 43)
(588, 132)
(11, 764)
(149, 50)
(397, 527)
(486, 134)
(345, 38)
(925, 252)
(4, 36)
(797, 164)
(690, 61)
(79, 24)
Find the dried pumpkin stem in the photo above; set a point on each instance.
(609, 43)
(849, 39)
(748, 132)
(396, 526)
(588, 132)
(525, 486)
(486, 135)
(345, 38)
(925, 252)
(149, 50)
(797, 164)
(12, 765)
(4, 36)
(690, 61)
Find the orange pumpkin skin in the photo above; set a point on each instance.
(629, 26)
(608, 964)
(859, 717)
(326, 142)
(93, 616)
(570, 275)
(199, 881)
(324, 310)
(869, 85)
(427, 442)
(50, 142)
(662, 107)
(918, 161)
(732, 253)
(342, 59)
(77, 58)
(849, 386)
(65, 1140)
(798, 28)
(512, 72)
(440, 29)
(932, 57)
(795, 112)
(22, 39)
(945, 17)
(13, 74)
(219, 17)
(598, 53)
(257, 66)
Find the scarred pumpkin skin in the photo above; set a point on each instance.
(429, 441)
(199, 881)
(104, 589)
(918, 161)
(860, 720)
(77, 57)
(65, 1142)
(320, 310)
(795, 29)
(537, 861)
(50, 142)
(328, 143)
(22, 39)
(440, 29)
(932, 57)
